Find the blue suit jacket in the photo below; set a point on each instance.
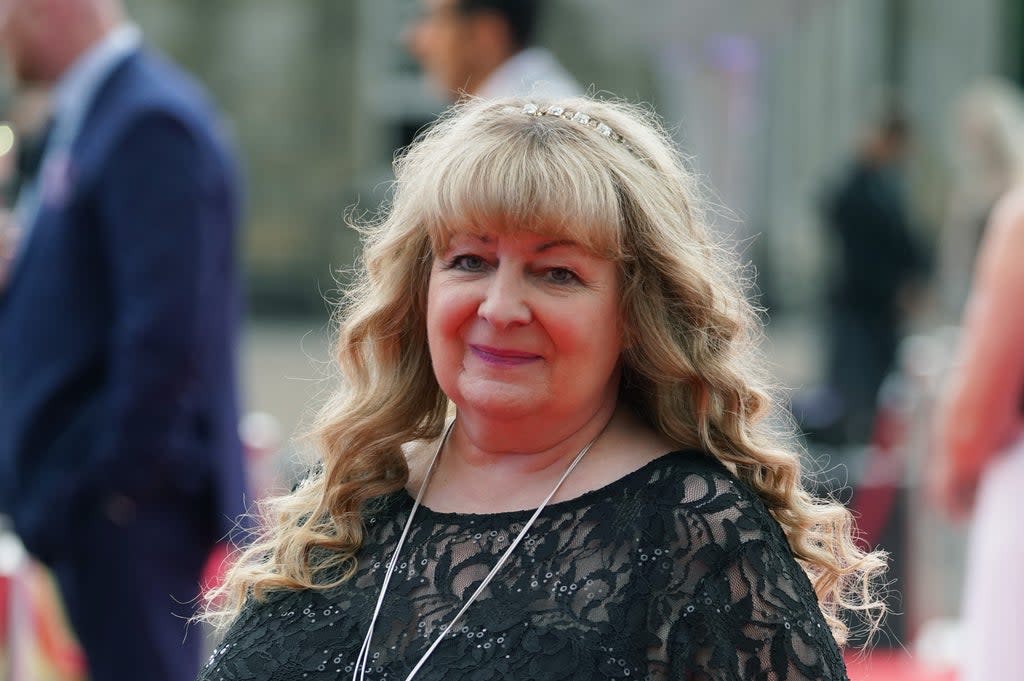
(118, 325)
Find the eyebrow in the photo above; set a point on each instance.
(547, 245)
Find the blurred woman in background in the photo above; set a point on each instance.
(980, 460)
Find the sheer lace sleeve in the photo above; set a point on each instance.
(752, 620)
(752, 613)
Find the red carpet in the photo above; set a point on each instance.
(892, 665)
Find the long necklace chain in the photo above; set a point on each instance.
(364, 652)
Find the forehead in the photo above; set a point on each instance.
(538, 236)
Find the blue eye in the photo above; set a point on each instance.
(467, 263)
(561, 275)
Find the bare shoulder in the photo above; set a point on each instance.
(999, 257)
(1007, 224)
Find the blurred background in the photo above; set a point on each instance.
(771, 98)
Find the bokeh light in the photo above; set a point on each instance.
(6, 138)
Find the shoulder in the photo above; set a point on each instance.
(842, 190)
(148, 80)
(1006, 228)
(709, 525)
(265, 639)
(703, 484)
(148, 93)
(998, 268)
(708, 506)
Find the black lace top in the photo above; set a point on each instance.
(676, 571)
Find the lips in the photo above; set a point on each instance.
(502, 356)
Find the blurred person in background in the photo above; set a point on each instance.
(120, 463)
(978, 467)
(485, 48)
(8, 174)
(988, 149)
(879, 268)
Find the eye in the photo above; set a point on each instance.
(467, 263)
(561, 275)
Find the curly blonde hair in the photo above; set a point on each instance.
(690, 365)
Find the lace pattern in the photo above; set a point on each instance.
(676, 571)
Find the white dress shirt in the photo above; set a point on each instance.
(531, 72)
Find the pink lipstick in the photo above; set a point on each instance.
(502, 357)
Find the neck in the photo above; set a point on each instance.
(487, 63)
(85, 33)
(470, 478)
(519, 448)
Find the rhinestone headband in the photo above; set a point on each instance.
(579, 117)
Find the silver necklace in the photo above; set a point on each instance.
(364, 652)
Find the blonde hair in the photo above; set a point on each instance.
(990, 114)
(689, 367)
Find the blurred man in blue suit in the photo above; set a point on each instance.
(120, 463)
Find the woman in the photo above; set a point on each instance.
(608, 501)
(980, 443)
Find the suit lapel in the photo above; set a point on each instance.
(54, 184)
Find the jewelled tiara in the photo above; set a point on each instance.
(579, 117)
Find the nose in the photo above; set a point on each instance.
(505, 301)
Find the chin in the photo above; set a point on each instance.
(499, 404)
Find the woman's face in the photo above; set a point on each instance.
(524, 325)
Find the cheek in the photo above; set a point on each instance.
(442, 354)
(435, 315)
(590, 336)
(432, 45)
(447, 311)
